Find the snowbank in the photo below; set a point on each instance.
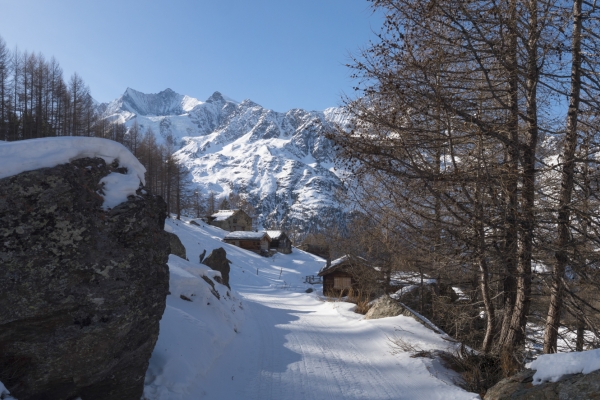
(29, 155)
(551, 367)
(193, 332)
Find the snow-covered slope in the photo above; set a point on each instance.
(267, 338)
(281, 161)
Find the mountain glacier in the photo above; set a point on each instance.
(281, 162)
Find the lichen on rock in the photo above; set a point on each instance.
(82, 289)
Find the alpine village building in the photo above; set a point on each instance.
(257, 242)
(280, 242)
(338, 277)
(231, 220)
(239, 225)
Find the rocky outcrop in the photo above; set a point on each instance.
(570, 387)
(384, 307)
(217, 260)
(82, 290)
(177, 247)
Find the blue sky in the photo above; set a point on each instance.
(281, 54)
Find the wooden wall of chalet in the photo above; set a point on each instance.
(282, 245)
(252, 245)
(328, 283)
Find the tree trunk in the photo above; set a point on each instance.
(516, 333)
(512, 161)
(566, 189)
(580, 334)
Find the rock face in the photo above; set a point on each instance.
(570, 387)
(82, 290)
(177, 247)
(384, 307)
(217, 260)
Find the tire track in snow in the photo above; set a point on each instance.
(341, 367)
(327, 360)
(295, 348)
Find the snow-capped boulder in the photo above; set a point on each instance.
(384, 307)
(82, 286)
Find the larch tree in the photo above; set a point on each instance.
(454, 98)
(4, 89)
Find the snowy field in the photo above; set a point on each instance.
(268, 339)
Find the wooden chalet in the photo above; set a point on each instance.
(280, 242)
(231, 220)
(339, 276)
(257, 242)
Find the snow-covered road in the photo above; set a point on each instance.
(290, 345)
(295, 347)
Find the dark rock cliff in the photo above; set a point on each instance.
(82, 290)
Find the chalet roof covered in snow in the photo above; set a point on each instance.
(339, 263)
(246, 235)
(274, 234)
(334, 264)
(222, 215)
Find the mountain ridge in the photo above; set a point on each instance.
(281, 161)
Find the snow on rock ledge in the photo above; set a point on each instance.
(551, 367)
(553, 376)
(29, 155)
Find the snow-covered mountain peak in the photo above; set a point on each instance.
(247, 103)
(162, 103)
(166, 102)
(218, 97)
(282, 162)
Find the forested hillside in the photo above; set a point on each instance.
(37, 101)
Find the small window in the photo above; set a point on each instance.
(342, 283)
